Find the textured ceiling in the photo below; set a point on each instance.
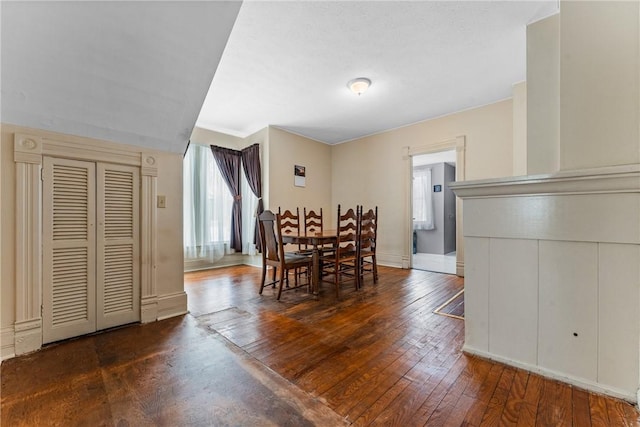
(131, 72)
(286, 64)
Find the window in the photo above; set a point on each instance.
(207, 207)
(422, 200)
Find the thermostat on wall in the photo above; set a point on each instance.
(437, 188)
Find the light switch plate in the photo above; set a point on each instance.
(162, 201)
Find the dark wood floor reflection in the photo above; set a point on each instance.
(377, 357)
(381, 357)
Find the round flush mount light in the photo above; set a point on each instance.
(359, 85)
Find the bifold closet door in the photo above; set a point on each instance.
(69, 248)
(91, 277)
(118, 259)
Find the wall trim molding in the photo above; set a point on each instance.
(171, 305)
(7, 343)
(460, 268)
(148, 239)
(390, 260)
(28, 244)
(29, 151)
(609, 180)
(588, 385)
(459, 144)
(148, 308)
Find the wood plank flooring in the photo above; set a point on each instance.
(377, 357)
(380, 357)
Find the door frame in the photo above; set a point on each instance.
(459, 145)
(29, 150)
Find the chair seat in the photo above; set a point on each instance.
(343, 256)
(291, 258)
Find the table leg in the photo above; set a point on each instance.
(315, 279)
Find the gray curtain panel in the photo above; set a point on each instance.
(228, 162)
(251, 166)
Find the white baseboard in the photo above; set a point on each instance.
(171, 305)
(27, 335)
(7, 344)
(460, 268)
(578, 382)
(390, 260)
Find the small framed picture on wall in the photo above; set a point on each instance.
(299, 176)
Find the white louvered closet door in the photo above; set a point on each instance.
(118, 285)
(69, 247)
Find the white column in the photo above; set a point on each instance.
(148, 234)
(28, 324)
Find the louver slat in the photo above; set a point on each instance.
(70, 202)
(118, 280)
(118, 204)
(70, 283)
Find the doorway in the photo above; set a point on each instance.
(434, 212)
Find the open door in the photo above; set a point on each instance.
(434, 212)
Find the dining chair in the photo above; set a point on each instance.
(341, 265)
(367, 235)
(274, 256)
(290, 223)
(313, 223)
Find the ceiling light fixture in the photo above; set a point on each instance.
(359, 85)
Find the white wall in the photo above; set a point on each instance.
(583, 87)
(287, 150)
(374, 171)
(543, 96)
(552, 279)
(520, 129)
(552, 275)
(599, 84)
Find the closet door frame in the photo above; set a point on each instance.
(28, 157)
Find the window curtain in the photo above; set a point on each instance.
(249, 204)
(206, 208)
(423, 214)
(253, 173)
(228, 162)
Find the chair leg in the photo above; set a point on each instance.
(264, 277)
(273, 276)
(282, 278)
(375, 269)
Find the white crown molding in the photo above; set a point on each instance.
(617, 179)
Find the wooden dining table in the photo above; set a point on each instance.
(316, 241)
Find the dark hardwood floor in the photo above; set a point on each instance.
(379, 356)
